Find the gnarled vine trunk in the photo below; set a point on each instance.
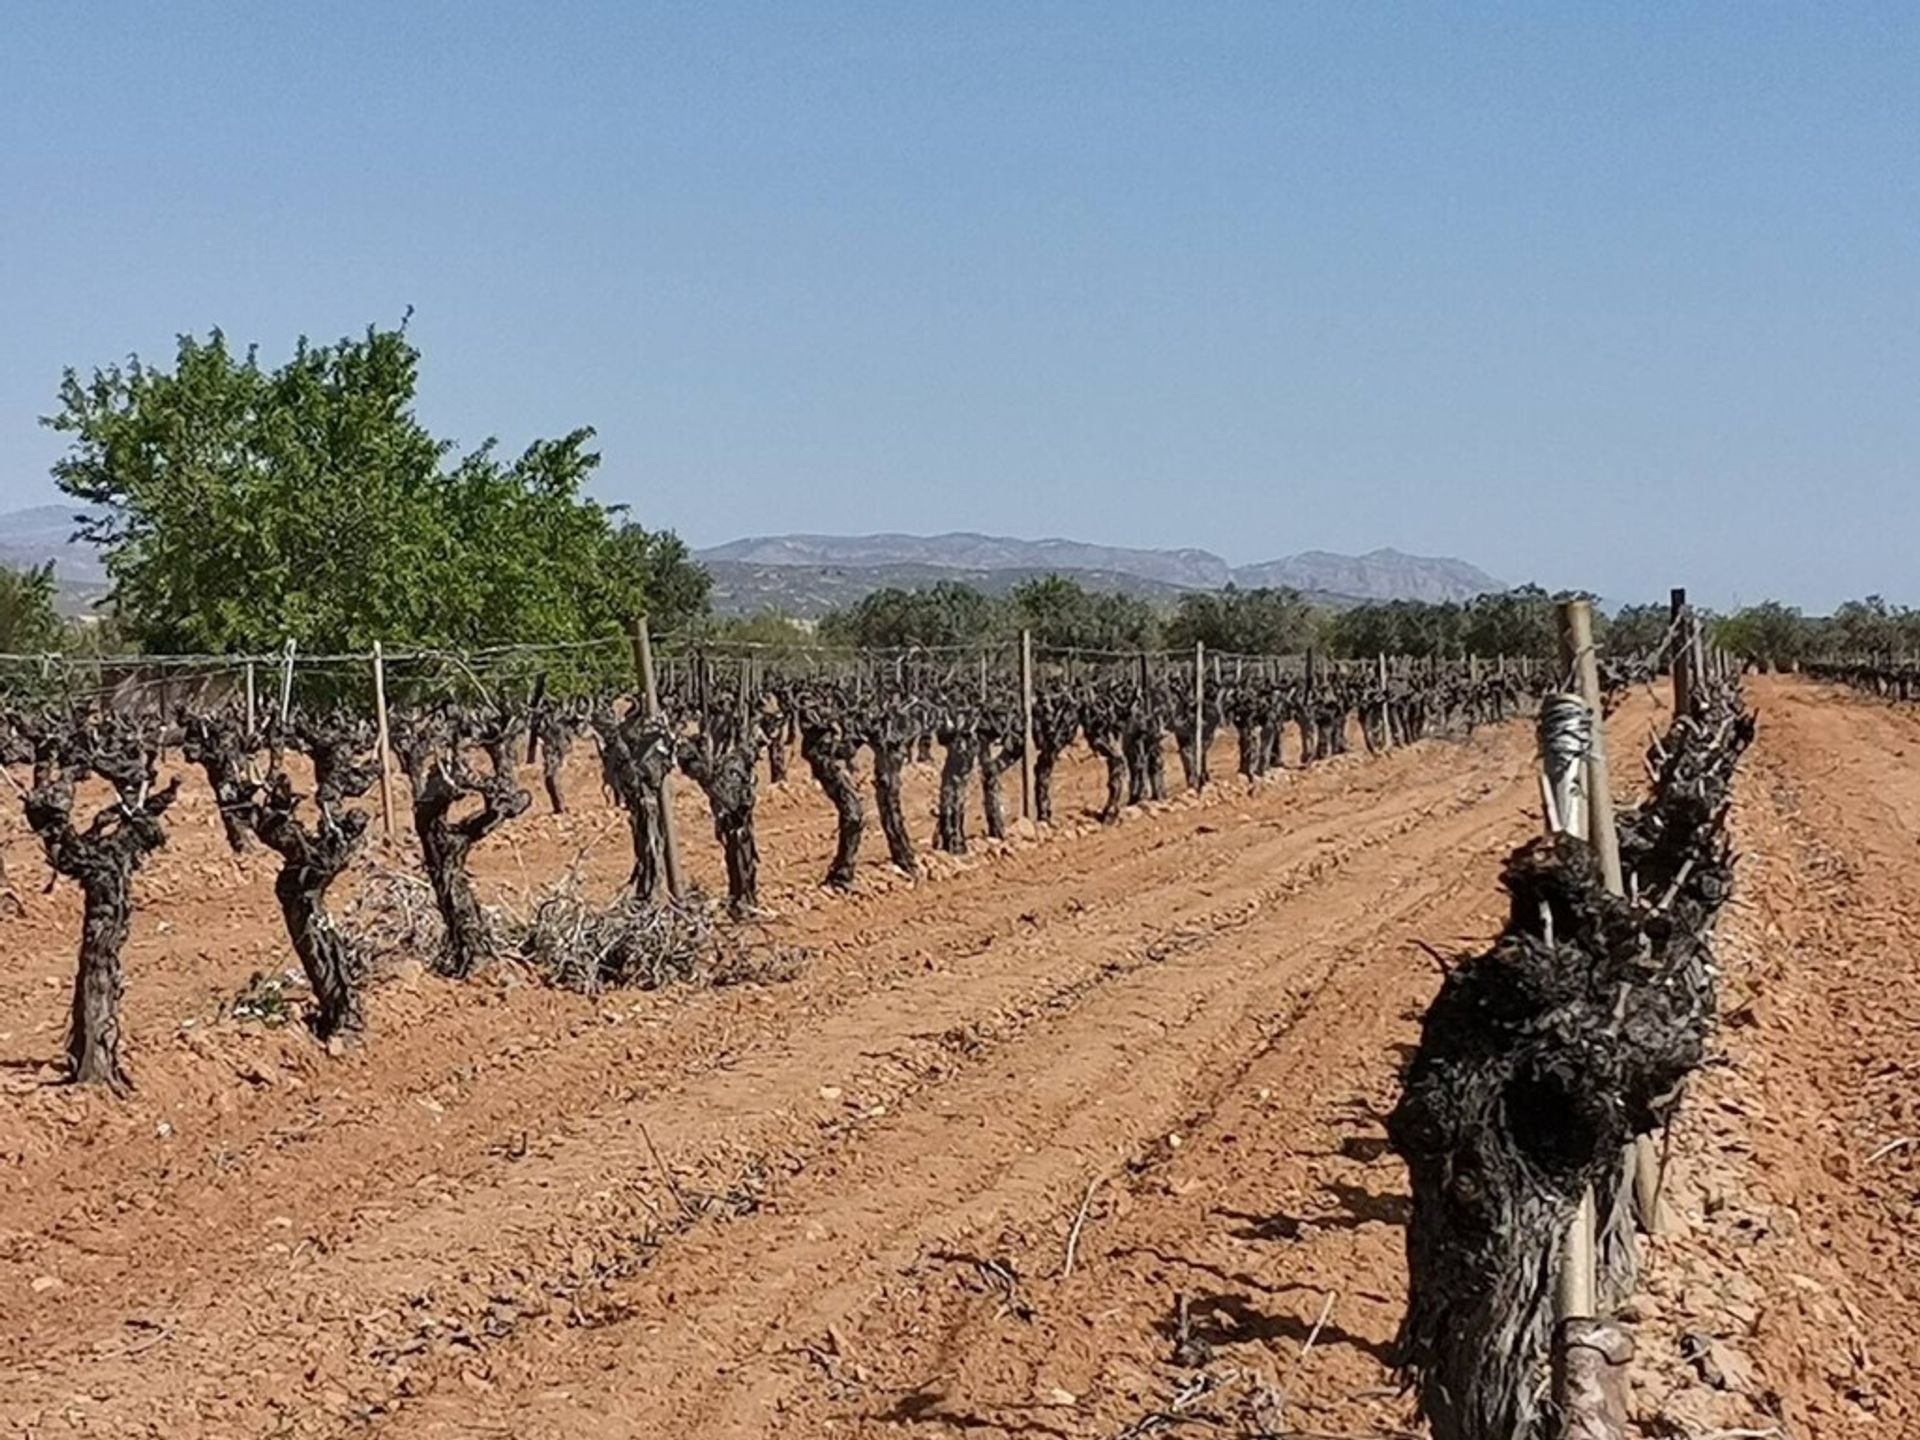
(950, 808)
(829, 753)
(727, 777)
(441, 776)
(636, 755)
(102, 859)
(890, 740)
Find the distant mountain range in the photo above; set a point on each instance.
(807, 575)
(45, 532)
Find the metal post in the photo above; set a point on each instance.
(286, 685)
(253, 706)
(1028, 802)
(650, 696)
(381, 733)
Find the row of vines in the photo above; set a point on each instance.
(295, 772)
(1545, 1065)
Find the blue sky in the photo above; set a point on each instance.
(1614, 295)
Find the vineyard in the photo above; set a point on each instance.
(542, 1041)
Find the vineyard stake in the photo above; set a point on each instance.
(1026, 726)
(1199, 714)
(1386, 707)
(650, 697)
(253, 713)
(1577, 654)
(380, 725)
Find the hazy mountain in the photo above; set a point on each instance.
(807, 592)
(767, 571)
(1376, 575)
(43, 533)
(807, 575)
(1183, 569)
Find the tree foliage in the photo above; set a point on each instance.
(28, 622)
(1519, 623)
(239, 506)
(1063, 614)
(1246, 622)
(942, 615)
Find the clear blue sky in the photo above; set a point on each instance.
(1619, 295)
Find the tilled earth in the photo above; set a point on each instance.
(965, 1174)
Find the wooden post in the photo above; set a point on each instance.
(1680, 653)
(650, 697)
(1599, 1409)
(1386, 706)
(380, 734)
(983, 677)
(534, 702)
(1027, 800)
(1200, 714)
(286, 685)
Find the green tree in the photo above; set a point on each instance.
(29, 625)
(1636, 629)
(1861, 629)
(945, 615)
(240, 506)
(1063, 614)
(1770, 634)
(1245, 622)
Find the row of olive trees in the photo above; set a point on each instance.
(1063, 614)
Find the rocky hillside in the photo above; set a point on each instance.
(1376, 575)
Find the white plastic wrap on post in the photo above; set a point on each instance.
(1566, 738)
